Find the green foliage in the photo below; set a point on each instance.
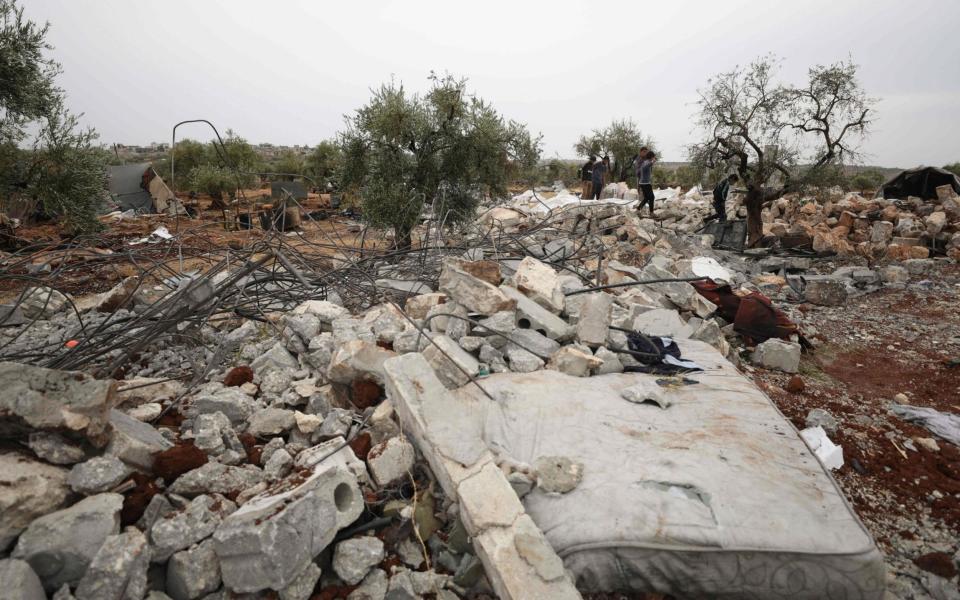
(324, 162)
(558, 170)
(621, 140)
(953, 168)
(445, 148)
(290, 164)
(212, 180)
(63, 174)
(867, 179)
(197, 162)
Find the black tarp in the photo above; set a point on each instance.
(921, 182)
(127, 189)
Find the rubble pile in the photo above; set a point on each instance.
(280, 463)
(874, 228)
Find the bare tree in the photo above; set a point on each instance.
(766, 130)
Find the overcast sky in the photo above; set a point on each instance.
(286, 72)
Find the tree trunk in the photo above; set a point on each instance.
(403, 236)
(754, 204)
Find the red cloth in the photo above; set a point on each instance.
(753, 315)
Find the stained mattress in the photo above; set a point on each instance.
(713, 496)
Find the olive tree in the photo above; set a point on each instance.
(780, 137)
(61, 172)
(953, 168)
(445, 149)
(324, 162)
(621, 140)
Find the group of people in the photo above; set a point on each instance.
(594, 176)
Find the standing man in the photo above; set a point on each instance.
(645, 163)
(599, 176)
(720, 194)
(586, 178)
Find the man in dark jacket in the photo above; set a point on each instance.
(599, 176)
(586, 178)
(720, 194)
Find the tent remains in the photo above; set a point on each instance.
(921, 182)
(139, 187)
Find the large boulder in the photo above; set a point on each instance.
(28, 489)
(60, 546)
(68, 402)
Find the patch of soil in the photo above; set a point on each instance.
(938, 563)
(136, 500)
(174, 462)
(238, 376)
(364, 394)
(361, 445)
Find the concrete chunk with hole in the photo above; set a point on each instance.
(540, 283)
(531, 315)
(268, 542)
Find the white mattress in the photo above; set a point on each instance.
(714, 496)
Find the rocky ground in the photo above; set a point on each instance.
(899, 344)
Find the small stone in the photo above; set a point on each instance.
(928, 444)
(373, 587)
(353, 558)
(134, 442)
(54, 448)
(558, 474)
(391, 460)
(796, 385)
(98, 475)
(824, 419)
(195, 523)
(302, 586)
(573, 361)
(901, 398)
(279, 465)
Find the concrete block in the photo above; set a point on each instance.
(594, 324)
(661, 321)
(531, 315)
(778, 354)
(825, 291)
(391, 460)
(97, 475)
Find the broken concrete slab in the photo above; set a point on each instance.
(215, 477)
(119, 569)
(417, 307)
(277, 357)
(448, 434)
(454, 365)
(540, 283)
(194, 524)
(324, 310)
(28, 489)
(67, 402)
(270, 422)
(358, 359)
(476, 294)
(231, 401)
(60, 546)
(194, 572)
(134, 442)
(521, 360)
(778, 354)
(354, 558)
(268, 542)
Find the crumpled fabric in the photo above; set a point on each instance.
(941, 424)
